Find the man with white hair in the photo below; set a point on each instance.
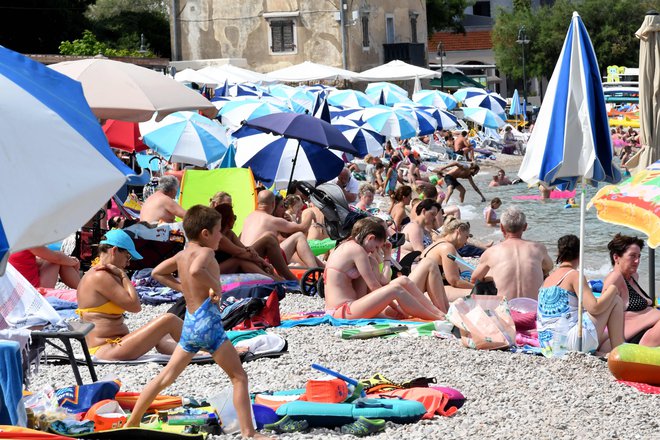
(517, 266)
(160, 206)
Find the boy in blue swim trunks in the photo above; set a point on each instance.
(199, 280)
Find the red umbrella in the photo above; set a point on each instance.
(124, 135)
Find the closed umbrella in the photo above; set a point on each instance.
(124, 91)
(571, 139)
(277, 160)
(46, 121)
(186, 137)
(649, 93)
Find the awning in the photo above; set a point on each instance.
(455, 81)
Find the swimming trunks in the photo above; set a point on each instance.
(203, 329)
(452, 181)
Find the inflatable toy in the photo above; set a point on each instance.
(635, 363)
(554, 194)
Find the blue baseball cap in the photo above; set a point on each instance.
(119, 238)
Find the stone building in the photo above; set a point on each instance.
(267, 35)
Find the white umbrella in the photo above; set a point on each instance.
(237, 75)
(126, 92)
(45, 122)
(188, 76)
(308, 71)
(397, 70)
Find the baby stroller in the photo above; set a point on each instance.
(339, 221)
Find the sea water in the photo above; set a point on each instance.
(547, 221)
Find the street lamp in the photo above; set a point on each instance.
(143, 48)
(441, 54)
(523, 40)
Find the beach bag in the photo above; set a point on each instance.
(269, 316)
(485, 322)
(80, 398)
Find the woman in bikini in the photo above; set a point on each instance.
(400, 200)
(640, 315)
(558, 302)
(455, 234)
(106, 292)
(355, 289)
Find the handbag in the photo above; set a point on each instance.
(485, 322)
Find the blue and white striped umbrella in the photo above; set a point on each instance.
(300, 100)
(271, 158)
(365, 140)
(350, 98)
(374, 88)
(491, 101)
(385, 93)
(186, 137)
(444, 119)
(46, 123)
(235, 90)
(468, 92)
(426, 122)
(516, 108)
(571, 138)
(435, 98)
(483, 116)
(232, 114)
(389, 121)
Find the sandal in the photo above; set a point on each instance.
(363, 427)
(287, 425)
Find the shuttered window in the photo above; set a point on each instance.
(365, 31)
(282, 36)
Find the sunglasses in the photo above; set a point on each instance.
(128, 254)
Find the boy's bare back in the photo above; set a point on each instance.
(199, 275)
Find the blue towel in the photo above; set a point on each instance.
(12, 410)
(336, 322)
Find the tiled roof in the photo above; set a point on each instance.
(474, 40)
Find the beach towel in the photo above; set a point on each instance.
(21, 305)
(337, 322)
(642, 387)
(397, 330)
(12, 409)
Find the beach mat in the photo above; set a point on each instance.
(158, 358)
(198, 186)
(337, 322)
(642, 387)
(138, 433)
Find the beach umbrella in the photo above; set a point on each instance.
(387, 93)
(490, 101)
(483, 117)
(515, 108)
(186, 137)
(571, 139)
(46, 122)
(233, 113)
(390, 121)
(124, 135)
(303, 127)
(309, 71)
(444, 119)
(124, 91)
(366, 141)
(435, 98)
(236, 75)
(189, 76)
(468, 92)
(426, 122)
(300, 100)
(277, 160)
(350, 98)
(649, 94)
(236, 90)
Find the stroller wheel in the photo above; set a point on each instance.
(310, 281)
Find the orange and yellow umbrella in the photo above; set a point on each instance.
(634, 203)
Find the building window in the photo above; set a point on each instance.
(365, 31)
(413, 28)
(282, 36)
(481, 8)
(389, 29)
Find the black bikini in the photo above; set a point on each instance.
(636, 302)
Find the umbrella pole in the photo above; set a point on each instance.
(583, 211)
(293, 168)
(652, 275)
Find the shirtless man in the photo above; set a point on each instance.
(517, 266)
(459, 171)
(261, 221)
(463, 146)
(160, 207)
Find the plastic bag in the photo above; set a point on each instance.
(224, 406)
(485, 322)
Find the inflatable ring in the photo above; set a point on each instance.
(635, 363)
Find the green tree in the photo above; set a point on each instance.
(611, 25)
(446, 15)
(89, 45)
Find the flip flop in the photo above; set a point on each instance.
(363, 427)
(287, 425)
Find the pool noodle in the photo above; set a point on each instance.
(460, 260)
(553, 195)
